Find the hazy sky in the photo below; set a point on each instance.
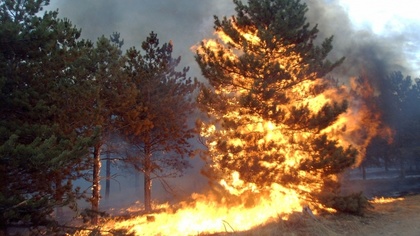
(383, 16)
(185, 22)
(390, 19)
(364, 30)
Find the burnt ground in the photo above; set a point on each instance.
(380, 183)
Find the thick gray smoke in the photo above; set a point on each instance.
(366, 52)
(187, 22)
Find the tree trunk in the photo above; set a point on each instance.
(58, 198)
(386, 163)
(96, 184)
(402, 167)
(137, 182)
(108, 175)
(147, 181)
(364, 171)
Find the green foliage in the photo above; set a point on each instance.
(39, 158)
(355, 203)
(62, 96)
(327, 157)
(159, 116)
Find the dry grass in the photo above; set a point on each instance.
(297, 225)
(392, 218)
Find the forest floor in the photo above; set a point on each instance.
(399, 215)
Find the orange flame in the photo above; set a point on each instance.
(384, 200)
(207, 215)
(210, 213)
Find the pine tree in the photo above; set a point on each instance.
(39, 157)
(156, 125)
(100, 89)
(399, 99)
(268, 118)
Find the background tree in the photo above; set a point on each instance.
(99, 91)
(111, 90)
(156, 125)
(399, 99)
(267, 118)
(39, 155)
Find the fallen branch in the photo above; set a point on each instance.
(308, 211)
(227, 223)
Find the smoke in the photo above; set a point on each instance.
(368, 53)
(187, 22)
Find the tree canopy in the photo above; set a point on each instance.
(398, 100)
(157, 125)
(39, 157)
(62, 98)
(270, 122)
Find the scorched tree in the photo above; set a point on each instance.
(156, 124)
(267, 116)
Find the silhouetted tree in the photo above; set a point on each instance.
(400, 97)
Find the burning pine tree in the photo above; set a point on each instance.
(276, 123)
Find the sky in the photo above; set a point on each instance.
(383, 16)
(389, 19)
(375, 36)
(389, 31)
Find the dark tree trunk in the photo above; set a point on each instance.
(147, 180)
(95, 184)
(58, 198)
(364, 171)
(108, 175)
(402, 167)
(147, 192)
(137, 181)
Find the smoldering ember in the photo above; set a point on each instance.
(280, 116)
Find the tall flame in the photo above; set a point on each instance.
(211, 212)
